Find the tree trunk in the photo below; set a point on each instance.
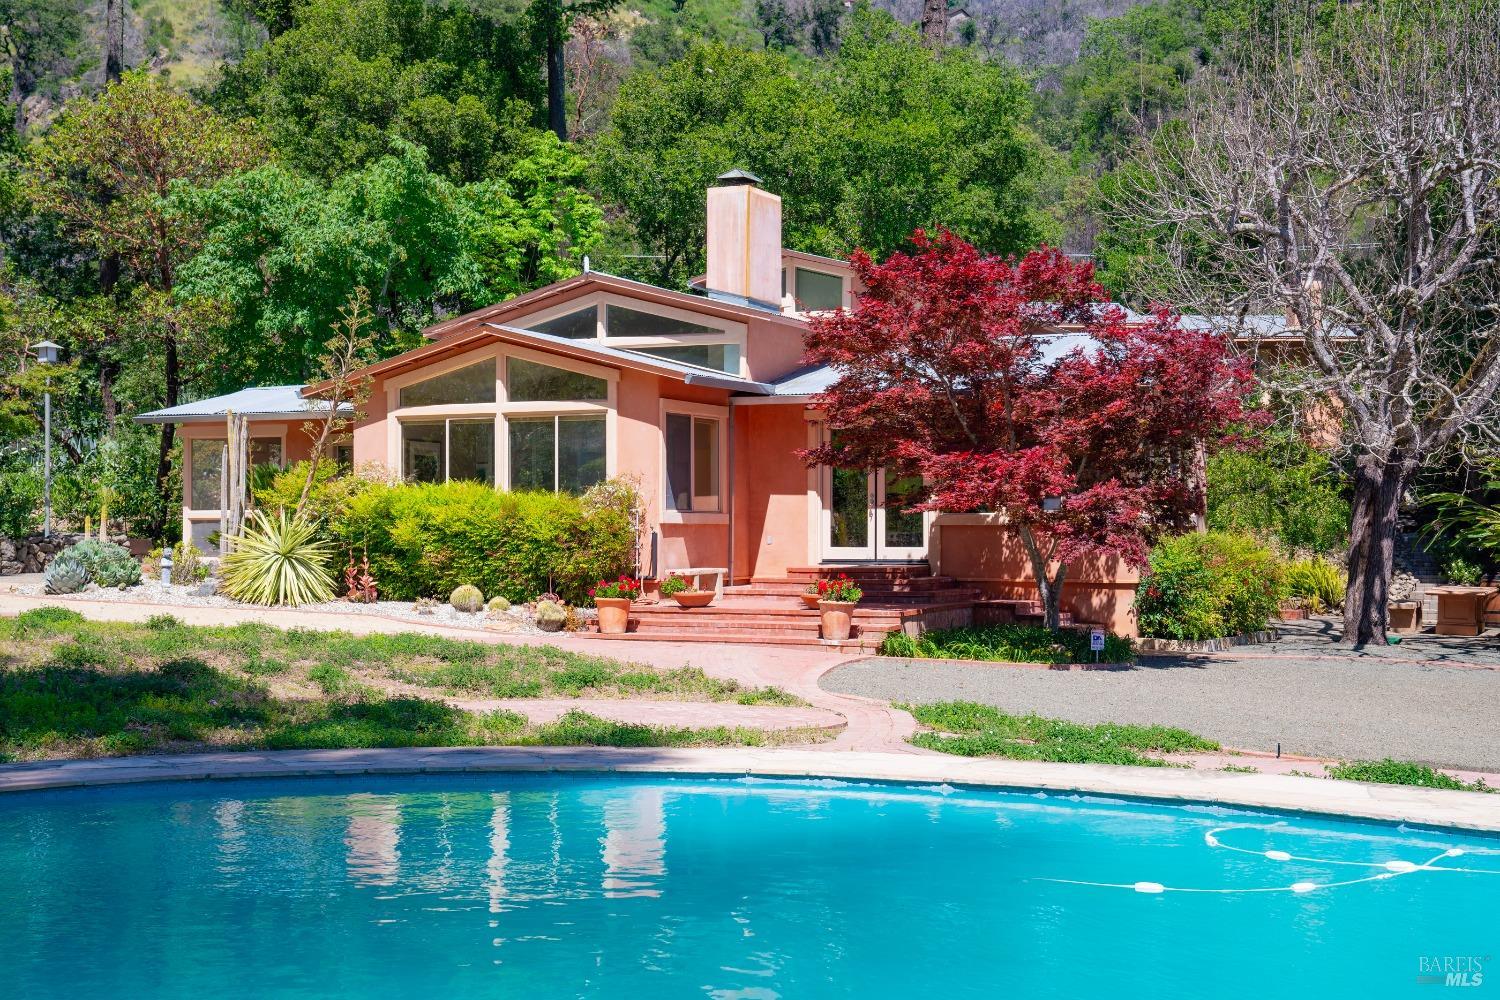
(1372, 547)
(557, 105)
(1049, 588)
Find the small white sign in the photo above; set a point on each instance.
(1096, 640)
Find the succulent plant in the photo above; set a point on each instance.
(573, 621)
(467, 598)
(66, 574)
(424, 606)
(550, 615)
(498, 606)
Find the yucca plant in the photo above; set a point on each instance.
(278, 561)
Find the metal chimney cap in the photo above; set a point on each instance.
(737, 176)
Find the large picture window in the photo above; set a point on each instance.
(471, 384)
(437, 451)
(560, 453)
(692, 463)
(531, 382)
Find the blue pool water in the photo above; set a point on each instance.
(538, 886)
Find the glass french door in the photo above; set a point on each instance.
(865, 516)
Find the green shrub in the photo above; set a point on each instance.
(1285, 491)
(1208, 585)
(20, 501)
(974, 730)
(466, 597)
(673, 584)
(425, 539)
(1318, 582)
(1006, 643)
(278, 561)
(1461, 572)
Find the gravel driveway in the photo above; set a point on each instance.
(1312, 696)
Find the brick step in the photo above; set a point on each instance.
(916, 585)
(791, 591)
(860, 571)
(857, 643)
(768, 620)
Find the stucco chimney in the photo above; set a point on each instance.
(744, 240)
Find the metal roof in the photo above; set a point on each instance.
(267, 402)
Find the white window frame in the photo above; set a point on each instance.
(718, 514)
(502, 408)
(796, 295)
(555, 415)
(212, 513)
(729, 332)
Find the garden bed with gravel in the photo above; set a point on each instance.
(517, 619)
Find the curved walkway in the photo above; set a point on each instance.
(1460, 810)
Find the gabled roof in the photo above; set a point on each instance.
(265, 402)
(589, 281)
(586, 350)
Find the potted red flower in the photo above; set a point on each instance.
(837, 598)
(678, 589)
(613, 599)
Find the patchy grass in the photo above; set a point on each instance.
(73, 688)
(1007, 643)
(1403, 772)
(973, 730)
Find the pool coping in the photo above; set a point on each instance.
(1472, 811)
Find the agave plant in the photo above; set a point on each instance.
(67, 574)
(278, 561)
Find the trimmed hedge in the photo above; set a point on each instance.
(1208, 585)
(426, 539)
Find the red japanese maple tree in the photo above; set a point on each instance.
(1014, 387)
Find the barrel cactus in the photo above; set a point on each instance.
(497, 606)
(550, 616)
(66, 575)
(466, 598)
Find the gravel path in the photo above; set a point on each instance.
(1313, 697)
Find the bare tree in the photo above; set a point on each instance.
(345, 390)
(1345, 175)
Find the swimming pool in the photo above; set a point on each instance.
(550, 885)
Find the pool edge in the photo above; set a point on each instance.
(1471, 811)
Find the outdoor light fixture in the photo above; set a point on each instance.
(1051, 505)
(47, 354)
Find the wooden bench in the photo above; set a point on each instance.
(696, 575)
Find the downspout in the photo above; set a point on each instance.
(729, 489)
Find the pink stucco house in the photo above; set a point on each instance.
(701, 396)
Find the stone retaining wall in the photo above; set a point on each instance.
(32, 553)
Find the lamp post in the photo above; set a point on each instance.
(47, 354)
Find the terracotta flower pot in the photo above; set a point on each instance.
(1405, 616)
(811, 600)
(838, 619)
(614, 614)
(1292, 614)
(693, 598)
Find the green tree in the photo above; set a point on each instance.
(282, 250)
(349, 77)
(105, 170)
(885, 137)
(35, 37)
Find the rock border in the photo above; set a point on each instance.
(1157, 647)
